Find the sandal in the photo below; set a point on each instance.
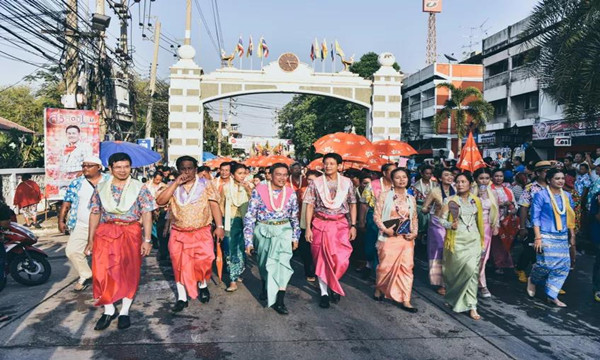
(474, 315)
(441, 290)
(232, 287)
(4, 318)
(557, 302)
(311, 279)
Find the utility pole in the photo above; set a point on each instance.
(72, 64)
(153, 79)
(101, 101)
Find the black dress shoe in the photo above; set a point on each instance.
(123, 322)
(379, 298)
(105, 321)
(324, 303)
(179, 306)
(335, 297)
(411, 310)
(204, 295)
(280, 308)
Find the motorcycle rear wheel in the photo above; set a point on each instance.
(30, 274)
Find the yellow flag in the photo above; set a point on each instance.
(260, 48)
(317, 50)
(338, 49)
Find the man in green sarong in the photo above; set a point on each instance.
(272, 221)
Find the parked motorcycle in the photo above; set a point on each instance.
(27, 264)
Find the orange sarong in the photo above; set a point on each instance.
(395, 269)
(116, 262)
(192, 255)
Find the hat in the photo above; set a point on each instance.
(93, 160)
(543, 165)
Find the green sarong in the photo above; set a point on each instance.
(273, 245)
(234, 253)
(461, 270)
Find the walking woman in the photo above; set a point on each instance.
(395, 246)
(236, 194)
(508, 220)
(553, 222)
(463, 220)
(489, 204)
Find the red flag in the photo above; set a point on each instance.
(470, 157)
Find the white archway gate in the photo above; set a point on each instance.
(189, 90)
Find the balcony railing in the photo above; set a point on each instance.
(496, 80)
(428, 103)
(415, 107)
(518, 74)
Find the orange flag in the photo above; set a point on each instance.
(470, 157)
(219, 260)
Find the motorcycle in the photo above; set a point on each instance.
(26, 264)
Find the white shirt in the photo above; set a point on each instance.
(83, 211)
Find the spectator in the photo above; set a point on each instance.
(518, 164)
(5, 217)
(568, 162)
(27, 197)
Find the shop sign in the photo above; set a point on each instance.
(487, 138)
(561, 128)
(562, 141)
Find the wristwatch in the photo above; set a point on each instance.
(221, 227)
(149, 241)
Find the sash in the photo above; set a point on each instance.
(493, 207)
(183, 198)
(234, 199)
(451, 234)
(387, 210)
(128, 196)
(569, 210)
(340, 195)
(263, 192)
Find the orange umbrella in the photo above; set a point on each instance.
(470, 157)
(351, 147)
(214, 163)
(316, 164)
(394, 148)
(252, 161)
(274, 159)
(374, 163)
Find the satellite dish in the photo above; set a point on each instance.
(450, 58)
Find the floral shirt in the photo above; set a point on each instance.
(594, 189)
(257, 211)
(145, 203)
(527, 198)
(312, 197)
(582, 182)
(72, 196)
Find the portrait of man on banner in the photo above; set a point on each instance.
(71, 136)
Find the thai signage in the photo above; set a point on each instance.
(70, 137)
(557, 128)
(432, 6)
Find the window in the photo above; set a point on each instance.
(497, 68)
(499, 108)
(525, 57)
(531, 101)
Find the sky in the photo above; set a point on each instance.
(397, 26)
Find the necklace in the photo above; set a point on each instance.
(296, 188)
(235, 201)
(470, 215)
(281, 204)
(403, 198)
(554, 204)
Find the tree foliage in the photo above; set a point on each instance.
(568, 65)
(466, 108)
(308, 117)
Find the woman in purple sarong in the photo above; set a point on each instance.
(436, 232)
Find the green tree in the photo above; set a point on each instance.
(466, 108)
(568, 63)
(211, 137)
(160, 108)
(308, 117)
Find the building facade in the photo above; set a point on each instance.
(421, 100)
(524, 114)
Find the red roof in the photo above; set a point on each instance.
(6, 125)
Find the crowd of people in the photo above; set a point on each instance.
(196, 216)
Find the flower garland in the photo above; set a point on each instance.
(271, 200)
(555, 204)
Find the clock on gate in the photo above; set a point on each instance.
(288, 62)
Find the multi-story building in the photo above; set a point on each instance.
(523, 111)
(421, 99)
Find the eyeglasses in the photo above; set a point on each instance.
(88, 166)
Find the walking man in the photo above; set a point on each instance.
(27, 197)
(272, 219)
(193, 202)
(115, 239)
(77, 205)
(330, 199)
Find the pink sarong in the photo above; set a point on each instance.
(395, 269)
(116, 262)
(331, 248)
(192, 254)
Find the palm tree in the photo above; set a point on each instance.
(467, 108)
(567, 33)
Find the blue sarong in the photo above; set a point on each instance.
(371, 235)
(552, 266)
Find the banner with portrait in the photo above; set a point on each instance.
(70, 137)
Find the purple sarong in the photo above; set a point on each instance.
(435, 250)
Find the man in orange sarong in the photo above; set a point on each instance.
(331, 200)
(194, 203)
(115, 239)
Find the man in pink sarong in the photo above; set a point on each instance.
(194, 203)
(330, 205)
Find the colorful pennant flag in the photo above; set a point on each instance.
(250, 47)
(312, 52)
(260, 47)
(240, 47)
(316, 49)
(265, 48)
(332, 54)
(338, 49)
(324, 50)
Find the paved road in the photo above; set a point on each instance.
(52, 322)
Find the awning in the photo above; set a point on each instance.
(7, 125)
